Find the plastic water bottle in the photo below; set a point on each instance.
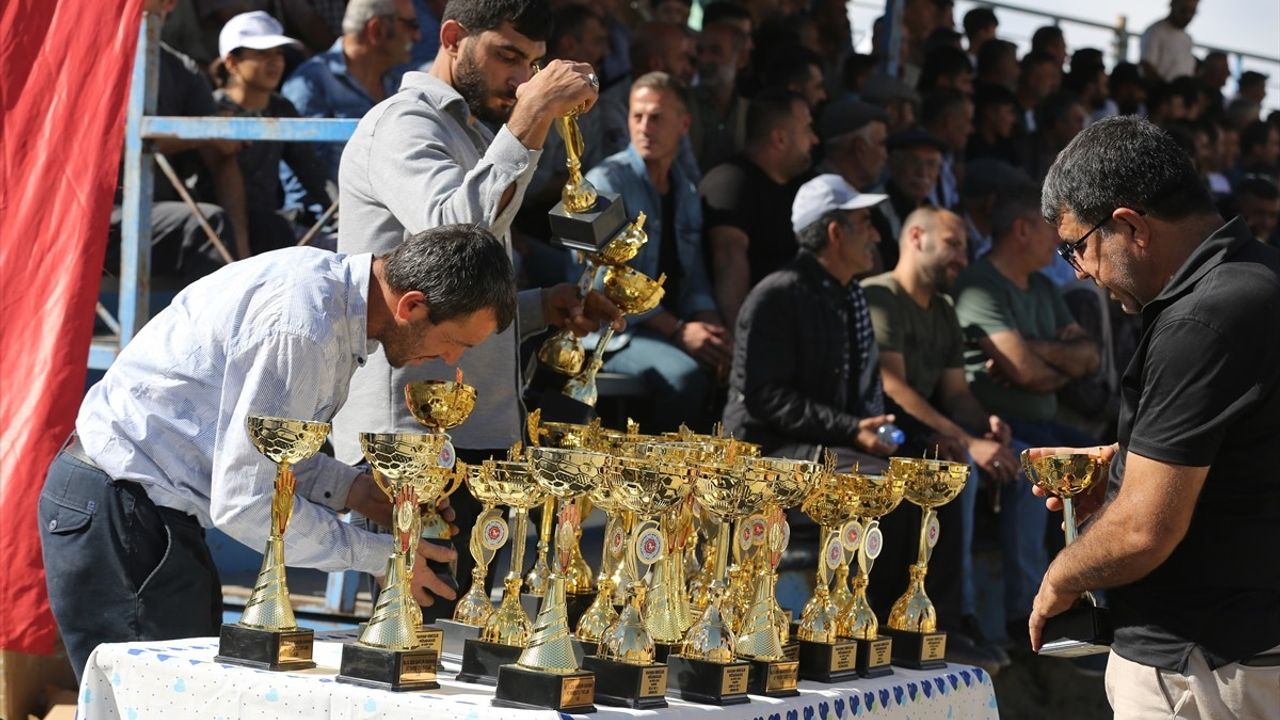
(891, 436)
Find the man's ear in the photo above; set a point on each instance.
(1139, 222)
(412, 307)
(833, 235)
(451, 36)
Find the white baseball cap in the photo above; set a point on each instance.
(824, 194)
(255, 30)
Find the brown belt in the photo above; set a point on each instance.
(76, 450)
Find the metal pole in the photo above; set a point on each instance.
(893, 36)
(176, 182)
(311, 234)
(135, 228)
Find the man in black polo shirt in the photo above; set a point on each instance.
(1184, 537)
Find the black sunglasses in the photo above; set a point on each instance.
(1069, 250)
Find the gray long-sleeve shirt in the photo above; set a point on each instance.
(418, 160)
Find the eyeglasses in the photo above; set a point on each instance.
(1070, 250)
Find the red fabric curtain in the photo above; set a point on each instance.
(64, 85)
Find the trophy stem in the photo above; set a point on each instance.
(391, 624)
(722, 554)
(536, 580)
(928, 519)
(1069, 518)
(517, 544)
(268, 607)
(583, 387)
(550, 648)
(759, 635)
(624, 573)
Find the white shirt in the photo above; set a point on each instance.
(1168, 49)
(279, 334)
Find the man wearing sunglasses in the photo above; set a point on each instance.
(1194, 493)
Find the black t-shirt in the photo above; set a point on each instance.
(739, 194)
(1204, 390)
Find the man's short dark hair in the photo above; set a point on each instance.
(1123, 162)
(724, 10)
(813, 237)
(1249, 78)
(1044, 35)
(769, 109)
(1255, 134)
(530, 18)
(942, 37)
(568, 21)
(1013, 202)
(461, 269)
(789, 64)
(1034, 58)
(992, 53)
(944, 61)
(979, 19)
(1258, 186)
(989, 95)
(939, 104)
(1087, 60)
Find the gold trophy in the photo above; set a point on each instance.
(440, 405)
(824, 655)
(913, 621)
(1085, 629)
(267, 636)
(488, 535)
(547, 674)
(563, 352)
(390, 654)
(597, 619)
(506, 631)
(625, 668)
(707, 669)
(634, 293)
(873, 497)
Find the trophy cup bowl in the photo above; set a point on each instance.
(634, 293)
(389, 653)
(913, 620)
(267, 636)
(1084, 629)
(440, 404)
(563, 353)
(623, 248)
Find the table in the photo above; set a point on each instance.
(179, 680)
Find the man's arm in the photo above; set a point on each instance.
(1014, 359)
(1132, 536)
(1073, 353)
(732, 274)
(893, 369)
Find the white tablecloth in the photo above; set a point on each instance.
(179, 680)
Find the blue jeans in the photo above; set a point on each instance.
(119, 568)
(678, 384)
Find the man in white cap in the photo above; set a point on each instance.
(806, 370)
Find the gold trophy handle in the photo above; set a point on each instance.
(282, 499)
(381, 483)
(824, 572)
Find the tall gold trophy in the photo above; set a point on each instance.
(634, 293)
(548, 674)
(873, 497)
(267, 636)
(824, 655)
(913, 621)
(507, 629)
(488, 535)
(1086, 628)
(626, 671)
(597, 618)
(707, 669)
(390, 654)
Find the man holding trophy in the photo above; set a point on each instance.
(425, 156)
(161, 451)
(1182, 534)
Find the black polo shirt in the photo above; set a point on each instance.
(1204, 390)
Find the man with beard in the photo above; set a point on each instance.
(719, 114)
(425, 156)
(1166, 46)
(922, 364)
(160, 450)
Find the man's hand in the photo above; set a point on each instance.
(562, 307)
(426, 586)
(366, 498)
(1001, 432)
(708, 343)
(867, 441)
(994, 458)
(559, 87)
(948, 447)
(1050, 601)
(1088, 502)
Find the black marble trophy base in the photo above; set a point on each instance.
(773, 678)
(481, 660)
(277, 650)
(527, 689)
(1083, 630)
(456, 635)
(589, 231)
(706, 682)
(829, 662)
(917, 650)
(642, 687)
(875, 657)
(394, 670)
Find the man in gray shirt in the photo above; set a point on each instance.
(421, 158)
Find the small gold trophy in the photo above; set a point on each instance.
(440, 405)
(488, 535)
(707, 669)
(634, 293)
(390, 654)
(548, 674)
(597, 619)
(824, 655)
(873, 498)
(267, 636)
(1086, 628)
(625, 668)
(506, 631)
(913, 621)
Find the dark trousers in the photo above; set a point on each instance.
(119, 568)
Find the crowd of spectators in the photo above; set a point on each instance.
(781, 173)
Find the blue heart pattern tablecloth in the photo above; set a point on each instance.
(179, 680)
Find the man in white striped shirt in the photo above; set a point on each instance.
(160, 450)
